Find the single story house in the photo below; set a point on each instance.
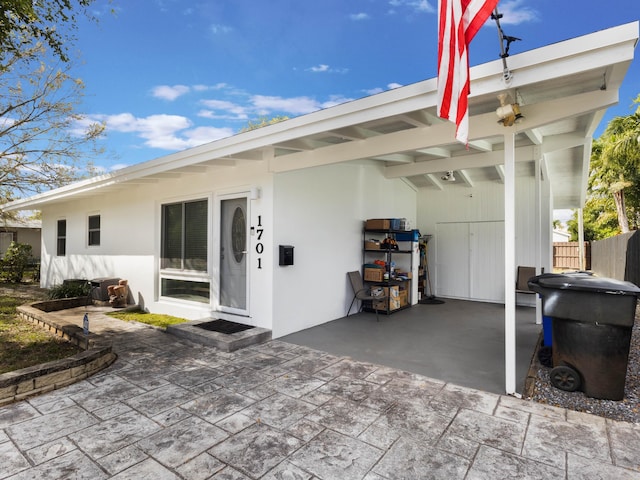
(21, 231)
(561, 235)
(198, 233)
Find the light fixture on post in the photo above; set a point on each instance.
(509, 113)
(448, 177)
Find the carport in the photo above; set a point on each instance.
(312, 179)
(460, 342)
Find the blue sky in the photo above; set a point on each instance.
(166, 75)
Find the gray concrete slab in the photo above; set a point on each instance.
(171, 409)
(457, 341)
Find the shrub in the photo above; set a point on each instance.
(15, 261)
(70, 290)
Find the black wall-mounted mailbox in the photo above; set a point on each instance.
(286, 254)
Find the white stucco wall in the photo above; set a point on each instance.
(320, 211)
(317, 210)
(130, 237)
(484, 203)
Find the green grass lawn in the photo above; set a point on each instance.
(23, 344)
(155, 319)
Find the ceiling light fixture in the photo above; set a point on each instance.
(509, 113)
(448, 177)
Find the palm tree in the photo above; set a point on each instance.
(615, 159)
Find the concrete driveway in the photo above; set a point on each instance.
(170, 409)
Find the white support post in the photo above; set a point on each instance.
(581, 253)
(509, 264)
(539, 233)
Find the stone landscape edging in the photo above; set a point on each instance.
(97, 354)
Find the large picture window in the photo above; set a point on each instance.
(184, 236)
(184, 255)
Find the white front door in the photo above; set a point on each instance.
(234, 244)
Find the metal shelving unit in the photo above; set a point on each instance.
(391, 280)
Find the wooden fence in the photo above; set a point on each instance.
(566, 255)
(618, 257)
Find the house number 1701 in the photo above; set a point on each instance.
(259, 245)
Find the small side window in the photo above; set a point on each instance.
(94, 230)
(61, 249)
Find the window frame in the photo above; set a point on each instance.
(61, 239)
(91, 232)
(171, 275)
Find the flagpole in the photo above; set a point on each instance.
(506, 73)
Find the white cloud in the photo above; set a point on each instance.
(167, 92)
(217, 118)
(224, 110)
(264, 105)
(390, 86)
(218, 29)
(322, 68)
(167, 132)
(514, 13)
(359, 16)
(420, 6)
(319, 68)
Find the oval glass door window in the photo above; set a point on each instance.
(239, 234)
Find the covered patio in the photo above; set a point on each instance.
(459, 341)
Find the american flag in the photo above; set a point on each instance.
(459, 21)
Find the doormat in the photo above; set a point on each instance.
(224, 326)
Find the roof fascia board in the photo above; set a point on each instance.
(626, 35)
(480, 126)
(475, 160)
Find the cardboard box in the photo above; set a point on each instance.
(377, 291)
(371, 245)
(404, 297)
(394, 304)
(373, 274)
(377, 224)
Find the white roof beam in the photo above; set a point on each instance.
(481, 126)
(464, 175)
(194, 169)
(481, 145)
(352, 133)
(553, 143)
(476, 160)
(395, 157)
(500, 172)
(301, 144)
(435, 181)
(221, 162)
(418, 118)
(436, 152)
(534, 135)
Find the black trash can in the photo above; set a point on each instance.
(592, 321)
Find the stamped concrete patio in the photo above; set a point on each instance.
(171, 409)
